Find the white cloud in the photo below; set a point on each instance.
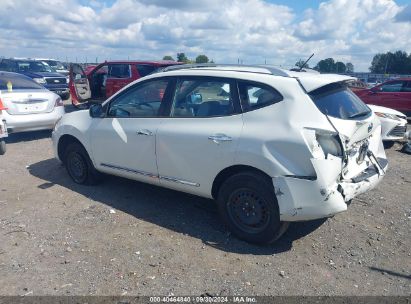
(252, 30)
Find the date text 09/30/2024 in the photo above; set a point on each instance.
(203, 299)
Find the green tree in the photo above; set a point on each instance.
(181, 57)
(201, 59)
(326, 66)
(391, 63)
(350, 67)
(167, 57)
(340, 67)
(300, 64)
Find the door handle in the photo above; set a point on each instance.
(145, 132)
(217, 138)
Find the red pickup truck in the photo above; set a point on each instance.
(97, 83)
(394, 94)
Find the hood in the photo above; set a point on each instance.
(42, 74)
(311, 81)
(386, 110)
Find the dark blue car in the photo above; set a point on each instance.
(40, 72)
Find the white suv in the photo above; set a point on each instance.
(271, 146)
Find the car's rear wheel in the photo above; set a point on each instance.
(79, 165)
(2, 147)
(248, 205)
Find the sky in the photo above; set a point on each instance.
(277, 32)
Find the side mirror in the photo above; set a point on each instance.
(96, 111)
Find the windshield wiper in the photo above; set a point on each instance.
(359, 114)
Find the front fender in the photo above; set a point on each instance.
(76, 124)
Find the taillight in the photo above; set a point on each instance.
(2, 107)
(330, 144)
(59, 102)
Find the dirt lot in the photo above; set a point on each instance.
(124, 237)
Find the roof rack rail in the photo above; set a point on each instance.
(262, 69)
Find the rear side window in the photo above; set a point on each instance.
(254, 95)
(394, 86)
(145, 69)
(119, 71)
(17, 82)
(338, 101)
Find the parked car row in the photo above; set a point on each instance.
(40, 72)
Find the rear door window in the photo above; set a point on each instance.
(203, 97)
(338, 101)
(119, 71)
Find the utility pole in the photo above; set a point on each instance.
(386, 64)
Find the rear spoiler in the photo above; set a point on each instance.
(311, 82)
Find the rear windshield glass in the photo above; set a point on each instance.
(10, 82)
(338, 101)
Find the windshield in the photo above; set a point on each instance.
(338, 101)
(57, 65)
(32, 66)
(10, 82)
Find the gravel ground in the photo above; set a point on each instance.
(128, 238)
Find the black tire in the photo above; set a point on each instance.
(79, 165)
(65, 96)
(388, 144)
(2, 147)
(249, 207)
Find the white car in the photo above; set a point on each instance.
(30, 106)
(271, 146)
(393, 124)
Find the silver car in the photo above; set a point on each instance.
(30, 106)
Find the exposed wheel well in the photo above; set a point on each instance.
(64, 141)
(230, 171)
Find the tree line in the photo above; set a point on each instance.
(398, 62)
(181, 57)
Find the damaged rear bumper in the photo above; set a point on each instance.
(301, 198)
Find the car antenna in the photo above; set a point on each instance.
(301, 67)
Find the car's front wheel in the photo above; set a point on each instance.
(2, 147)
(79, 165)
(248, 205)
